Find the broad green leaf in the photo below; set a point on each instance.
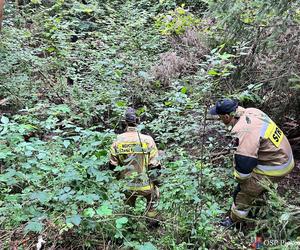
(28, 153)
(89, 212)
(4, 120)
(121, 221)
(34, 226)
(4, 130)
(248, 20)
(180, 11)
(88, 10)
(284, 217)
(74, 219)
(67, 189)
(96, 143)
(41, 155)
(104, 210)
(12, 197)
(100, 175)
(40, 196)
(50, 49)
(62, 108)
(214, 50)
(120, 103)
(147, 246)
(36, 1)
(88, 198)
(64, 197)
(101, 153)
(76, 138)
(118, 73)
(226, 56)
(71, 176)
(143, 74)
(4, 154)
(120, 168)
(212, 72)
(78, 129)
(183, 90)
(141, 110)
(66, 143)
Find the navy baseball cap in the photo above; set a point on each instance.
(130, 115)
(223, 107)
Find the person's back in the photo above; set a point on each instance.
(260, 138)
(137, 152)
(263, 153)
(138, 155)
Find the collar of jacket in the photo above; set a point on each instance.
(131, 129)
(240, 111)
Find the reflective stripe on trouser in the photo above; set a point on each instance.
(237, 213)
(240, 175)
(140, 187)
(279, 170)
(250, 190)
(151, 204)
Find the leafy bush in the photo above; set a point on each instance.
(269, 29)
(55, 185)
(176, 21)
(69, 69)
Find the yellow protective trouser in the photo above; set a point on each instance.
(246, 195)
(152, 197)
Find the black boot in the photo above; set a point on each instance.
(227, 222)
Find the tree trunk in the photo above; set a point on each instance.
(1, 12)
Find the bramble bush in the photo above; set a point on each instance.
(60, 186)
(69, 69)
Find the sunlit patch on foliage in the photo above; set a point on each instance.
(176, 21)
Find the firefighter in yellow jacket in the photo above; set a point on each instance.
(139, 155)
(263, 152)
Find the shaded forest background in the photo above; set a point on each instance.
(69, 69)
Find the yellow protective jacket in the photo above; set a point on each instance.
(137, 152)
(262, 146)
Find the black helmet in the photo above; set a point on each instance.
(225, 106)
(130, 116)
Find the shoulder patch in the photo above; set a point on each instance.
(248, 120)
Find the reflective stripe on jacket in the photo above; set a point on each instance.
(137, 152)
(262, 146)
(278, 170)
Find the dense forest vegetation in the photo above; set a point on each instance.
(69, 70)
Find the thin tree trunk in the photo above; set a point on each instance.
(1, 12)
